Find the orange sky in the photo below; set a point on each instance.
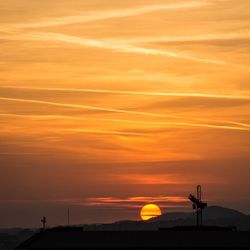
(107, 105)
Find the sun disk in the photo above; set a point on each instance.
(150, 211)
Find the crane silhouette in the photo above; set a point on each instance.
(198, 204)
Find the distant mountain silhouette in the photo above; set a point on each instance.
(210, 213)
(215, 212)
(172, 216)
(214, 215)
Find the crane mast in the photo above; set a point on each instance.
(198, 205)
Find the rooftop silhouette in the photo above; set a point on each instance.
(79, 239)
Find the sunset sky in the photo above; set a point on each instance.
(108, 105)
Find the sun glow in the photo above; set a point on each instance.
(150, 211)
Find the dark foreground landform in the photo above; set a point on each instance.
(77, 238)
(215, 218)
(12, 237)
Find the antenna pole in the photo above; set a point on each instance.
(68, 216)
(44, 220)
(198, 209)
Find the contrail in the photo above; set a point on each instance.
(120, 47)
(244, 34)
(108, 45)
(112, 132)
(172, 124)
(52, 117)
(110, 14)
(105, 91)
(136, 93)
(245, 127)
(67, 105)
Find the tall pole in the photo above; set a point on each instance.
(44, 220)
(68, 216)
(198, 209)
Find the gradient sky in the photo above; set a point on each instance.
(108, 105)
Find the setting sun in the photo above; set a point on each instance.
(150, 211)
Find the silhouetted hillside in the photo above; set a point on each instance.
(173, 216)
(10, 238)
(213, 212)
(67, 238)
(214, 215)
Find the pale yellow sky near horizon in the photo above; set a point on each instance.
(114, 94)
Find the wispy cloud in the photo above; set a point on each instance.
(130, 202)
(115, 13)
(242, 35)
(123, 121)
(109, 45)
(143, 93)
(216, 122)
(166, 124)
(108, 132)
(240, 127)
(120, 47)
(152, 179)
(78, 106)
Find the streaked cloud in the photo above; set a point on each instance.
(152, 179)
(240, 35)
(218, 124)
(78, 106)
(123, 92)
(115, 13)
(131, 202)
(238, 126)
(166, 124)
(108, 132)
(109, 45)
